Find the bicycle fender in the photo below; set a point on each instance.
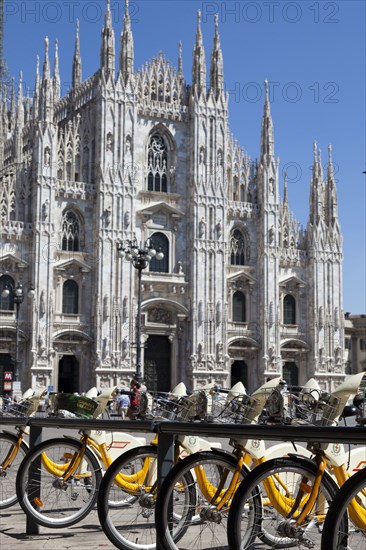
(224, 453)
(15, 438)
(300, 458)
(71, 437)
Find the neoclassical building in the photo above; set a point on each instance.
(243, 292)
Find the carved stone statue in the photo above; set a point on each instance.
(45, 210)
(202, 228)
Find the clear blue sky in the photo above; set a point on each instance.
(311, 52)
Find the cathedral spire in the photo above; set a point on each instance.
(107, 53)
(320, 166)
(199, 62)
(76, 64)
(316, 189)
(330, 171)
(46, 63)
(315, 160)
(56, 76)
(12, 106)
(331, 192)
(217, 65)
(267, 137)
(27, 109)
(20, 107)
(36, 92)
(46, 92)
(285, 191)
(180, 61)
(126, 59)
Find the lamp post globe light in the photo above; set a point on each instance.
(139, 255)
(17, 293)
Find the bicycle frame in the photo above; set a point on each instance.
(12, 453)
(32, 398)
(325, 456)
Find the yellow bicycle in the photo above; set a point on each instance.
(14, 446)
(203, 484)
(288, 498)
(58, 480)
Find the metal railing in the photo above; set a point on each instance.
(167, 431)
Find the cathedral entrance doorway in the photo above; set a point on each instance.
(68, 374)
(290, 373)
(157, 364)
(239, 373)
(6, 366)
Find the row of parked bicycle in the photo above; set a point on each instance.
(281, 496)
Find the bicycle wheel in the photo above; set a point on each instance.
(202, 521)
(10, 459)
(341, 533)
(127, 498)
(48, 493)
(283, 485)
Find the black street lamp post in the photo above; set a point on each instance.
(139, 255)
(18, 298)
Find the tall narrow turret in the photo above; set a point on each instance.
(20, 106)
(107, 52)
(12, 106)
(199, 62)
(316, 189)
(285, 191)
(217, 66)
(76, 64)
(126, 59)
(56, 81)
(46, 75)
(36, 92)
(46, 92)
(331, 192)
(267, 135)
(180, 62)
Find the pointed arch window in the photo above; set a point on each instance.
(70, 232)
(70, 297)
(239, 306)
(157, 164)
(237, 248)
(242, 192)
(160, 242)
(7, 302)
(235, 188)
(289, 310)
(86, 156)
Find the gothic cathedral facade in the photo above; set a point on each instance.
(242, 293)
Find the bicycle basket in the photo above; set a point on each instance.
(326, 410)
(10, 407)
(79, 405)
(298, 407)
(242, 409)
(193, 407)
(163, 406)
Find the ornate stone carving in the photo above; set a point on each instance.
(159, 315)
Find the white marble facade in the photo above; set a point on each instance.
(243, 292)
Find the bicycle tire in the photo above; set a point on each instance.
(8, 472)
(276, 527)
(45, 496)
(126, 504)
(203, 526)
(339, 533)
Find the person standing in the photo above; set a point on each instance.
(123, 403)
(135, 398)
